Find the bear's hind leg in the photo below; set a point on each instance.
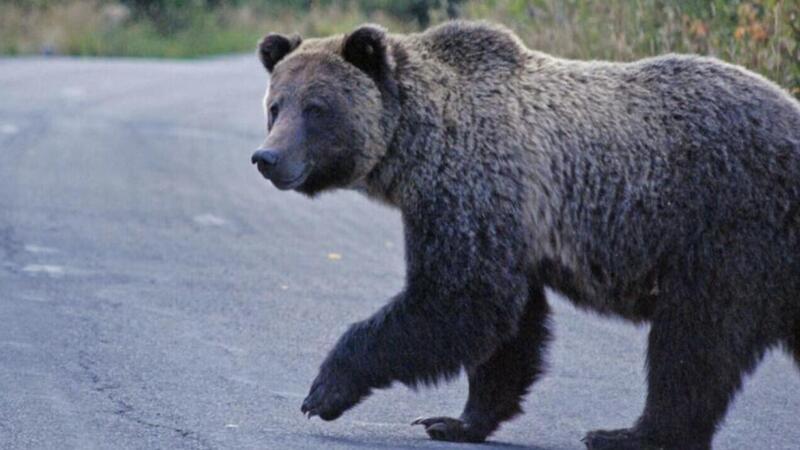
(696, 359)
(497, 387)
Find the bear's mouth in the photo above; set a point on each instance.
(293, 183)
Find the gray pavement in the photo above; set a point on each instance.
(156, 292)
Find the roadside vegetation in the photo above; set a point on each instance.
(763, 35)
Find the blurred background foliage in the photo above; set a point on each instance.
(763, 35)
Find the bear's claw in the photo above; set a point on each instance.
(331, 394)
(449, 429)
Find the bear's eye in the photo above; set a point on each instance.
(273, 114)
(315, 109)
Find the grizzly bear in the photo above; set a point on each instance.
(665, 191)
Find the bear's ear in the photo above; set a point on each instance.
(274, 47)
(367, 49)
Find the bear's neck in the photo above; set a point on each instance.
(448, 145)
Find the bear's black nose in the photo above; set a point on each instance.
(268, 157)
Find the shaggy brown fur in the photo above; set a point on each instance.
(665, 190)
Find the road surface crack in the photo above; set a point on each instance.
(127, 411)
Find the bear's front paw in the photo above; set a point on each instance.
(331, 394)
(449, 429)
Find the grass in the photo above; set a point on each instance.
(763, 35)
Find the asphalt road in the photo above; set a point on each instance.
(156, 292)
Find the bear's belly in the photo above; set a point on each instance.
(631, 301)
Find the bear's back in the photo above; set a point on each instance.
(474, 47)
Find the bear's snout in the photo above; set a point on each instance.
(266, 156)
(284, 172)
(266, 160)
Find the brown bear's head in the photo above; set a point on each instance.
(329, 108)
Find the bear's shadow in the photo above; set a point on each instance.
(425, 443)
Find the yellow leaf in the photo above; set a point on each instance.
(698, 28)
(757, 32)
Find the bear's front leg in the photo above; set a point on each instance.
(414, 339)
(465, 293)
(498, 385)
